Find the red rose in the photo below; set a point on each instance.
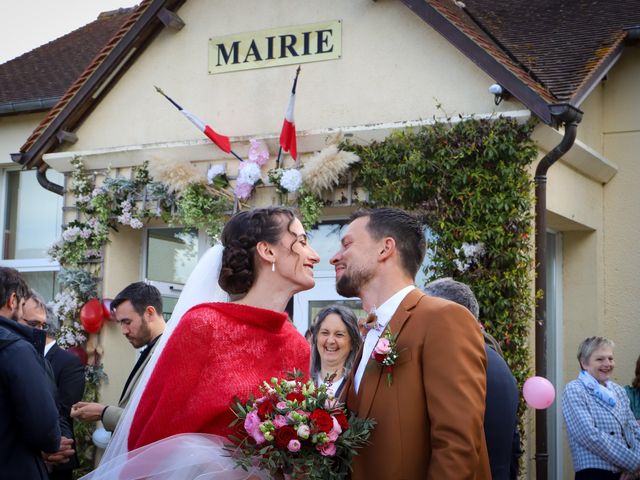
(379, 357)
(322, 420)
(342, 420)
(295, 396)
(264, 409)
(284, 435)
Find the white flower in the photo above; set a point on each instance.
(215, 171)
(136, 224)
(70, 234)
(471, 252)
(125, 218)
(291, 180)
(249, 173)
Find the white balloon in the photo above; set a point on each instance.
(101, 437)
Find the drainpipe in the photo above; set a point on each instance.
(41, 175)
(570, 117)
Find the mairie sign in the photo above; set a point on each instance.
(278, 46)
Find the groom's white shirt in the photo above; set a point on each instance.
(384, 313)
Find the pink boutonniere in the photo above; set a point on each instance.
(386, 354)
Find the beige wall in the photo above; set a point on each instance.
(398, 75)
(122, 266)
(622, 217)
(14, 131)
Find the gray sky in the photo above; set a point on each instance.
(27, 24)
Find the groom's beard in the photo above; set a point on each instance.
(352, 282)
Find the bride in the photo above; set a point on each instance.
(212, 353)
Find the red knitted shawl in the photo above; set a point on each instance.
(218, 352)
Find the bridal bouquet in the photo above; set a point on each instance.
(297, 430)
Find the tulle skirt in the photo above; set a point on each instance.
(187, 456)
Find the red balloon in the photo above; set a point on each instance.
(92, 316)
(80, 353)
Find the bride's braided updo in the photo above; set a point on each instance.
(240, 236)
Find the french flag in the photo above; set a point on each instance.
(288, 134)
(220, 140)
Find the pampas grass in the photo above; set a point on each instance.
(324, 169)
(177, 176)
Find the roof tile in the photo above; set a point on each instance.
(49, 70)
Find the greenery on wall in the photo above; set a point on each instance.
(469, 181)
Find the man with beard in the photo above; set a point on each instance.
(429, 402)
(138, 310)
(29, 420)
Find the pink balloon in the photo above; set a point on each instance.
(538, 392)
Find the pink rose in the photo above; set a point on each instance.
(252, 426)
(382, 347)
(258, 436)
(335, 431)
(280, 421)
(294, 445)
(304, 431)
(281, 405)
(327, 449)
(251, 422)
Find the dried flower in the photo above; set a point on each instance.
(177, 176)
(324, 169)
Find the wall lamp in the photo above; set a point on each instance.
(499, 93)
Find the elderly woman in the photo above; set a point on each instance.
(603, 434)
(335, 342)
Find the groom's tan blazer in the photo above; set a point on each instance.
(430, 420)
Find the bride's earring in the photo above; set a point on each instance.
(273, 266)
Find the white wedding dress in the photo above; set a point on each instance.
(186, 456)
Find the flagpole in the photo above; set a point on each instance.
(175, 104)
(293, 92)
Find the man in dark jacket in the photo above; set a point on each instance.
(29, 419)
(67, 371)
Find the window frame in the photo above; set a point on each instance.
(38, 264)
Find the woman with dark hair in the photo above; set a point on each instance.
(215, 351)
(633, 392)
(603, 435)
(335, 342)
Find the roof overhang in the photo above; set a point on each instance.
(78, 102)
(203, 150)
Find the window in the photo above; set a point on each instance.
(171, 255)
(31, 217)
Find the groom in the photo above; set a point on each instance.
(430, 418)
